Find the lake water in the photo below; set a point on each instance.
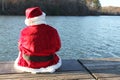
(82, 37)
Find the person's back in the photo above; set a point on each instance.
(38, 44)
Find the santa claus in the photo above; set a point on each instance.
(38, 44)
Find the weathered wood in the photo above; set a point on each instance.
(71, 65)
(103, 69)
(110, 78)
(70, 69)
(7, 67)
(56, 76)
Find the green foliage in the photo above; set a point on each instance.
(94, 6)
(97, 4)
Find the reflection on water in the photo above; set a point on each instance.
(82, 37)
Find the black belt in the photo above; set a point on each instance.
(37, 58)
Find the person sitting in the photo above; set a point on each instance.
(38, 44)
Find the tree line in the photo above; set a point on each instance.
(52, 7)
(110, 10)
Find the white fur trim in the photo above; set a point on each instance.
(36, 20)
(49, 69)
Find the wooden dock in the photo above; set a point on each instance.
(82, 69)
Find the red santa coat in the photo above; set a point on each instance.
(39, 40)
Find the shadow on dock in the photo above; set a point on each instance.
(103, 69)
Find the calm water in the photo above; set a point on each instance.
(82, 37)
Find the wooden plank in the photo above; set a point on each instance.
(7, 67)
(107, 73)
(56, 76)
(102, 68)
(110, 78)
(71, 65)
(101, 61)
(70, 69)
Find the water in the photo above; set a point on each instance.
(82, 37)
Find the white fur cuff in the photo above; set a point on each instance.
(36, 20)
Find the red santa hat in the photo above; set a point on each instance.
(34, 16)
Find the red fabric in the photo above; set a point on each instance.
(39, 40)
(33, 12)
